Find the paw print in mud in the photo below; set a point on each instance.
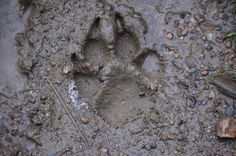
(113, 72)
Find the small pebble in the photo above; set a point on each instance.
(226, 128)
(224, 22)
(200, 150)
(66, 70)
(31, 99)
(153, 145)
(207, 87)
(219, 39)
(180, 137)
(185, 32)
(163, 150)
(43, 97)
(228, 44)
(142, 146)
(207, 46)
(147, 147)
(190, 24)
(169, 35)
(211, 95)
(176, 23)
(210, 36)
(218, 28)
(221, 53)
(194, 91)
(85, 120)
(153, 86)
(176, 55)
(204, 102)
(176, 108)
(191, 101)
(199, 18)
(72, 14)
(180, 122)
(230, 111)
(204, 38)
(100, 5)
(53, 63)
(216, 102)
(204, 72)
(141, 94)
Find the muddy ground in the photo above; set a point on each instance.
(116, 77)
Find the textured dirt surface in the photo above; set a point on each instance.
(11, 23)
(117, 77)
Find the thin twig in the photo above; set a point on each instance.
(69, 113)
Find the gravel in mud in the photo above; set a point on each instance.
(121, 77)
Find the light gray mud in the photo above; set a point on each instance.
(134, 75)
(11, 80)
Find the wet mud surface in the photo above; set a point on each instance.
(117, 77)
(11, 23)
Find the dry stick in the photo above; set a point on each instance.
(69, 114)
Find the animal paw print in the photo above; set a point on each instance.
(113, 72)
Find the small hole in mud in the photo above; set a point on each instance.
(100, 67)
(96, 23)
(73, 57)
(233, 78)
